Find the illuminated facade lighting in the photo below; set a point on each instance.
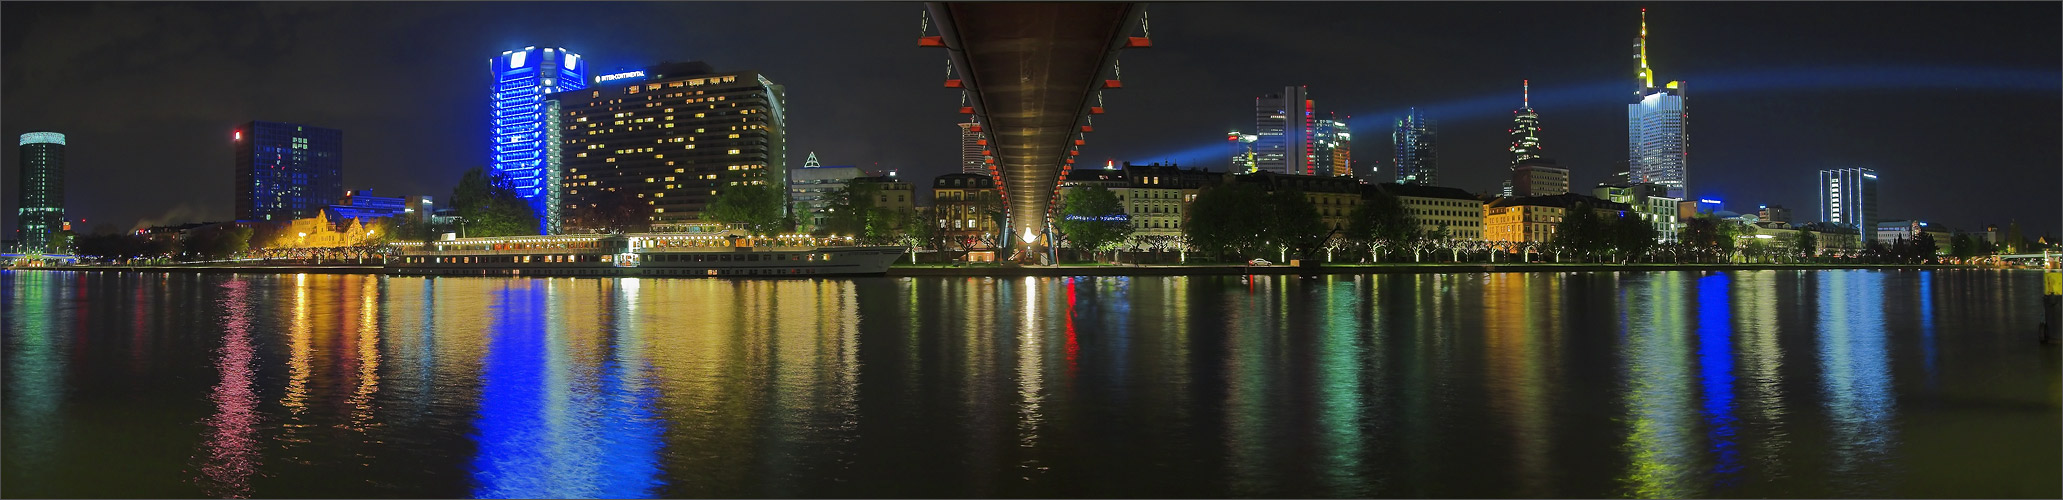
(1332, 147)
(1848, 196)
(972, 161)
(1417, 152)
(287, 171)
(523, 124)
(39, 215)
(1657, 127)
(674, 138)
(1283, 124)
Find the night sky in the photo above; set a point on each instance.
(1955, 104)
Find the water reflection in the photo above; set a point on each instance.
(1857, 380)
(231, 451)
(36, 364)
(556, 419)
(1660, 442)
(1650, 384)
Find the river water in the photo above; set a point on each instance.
(1646, 384)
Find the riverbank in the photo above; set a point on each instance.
(1124, 270)
(1225, 270)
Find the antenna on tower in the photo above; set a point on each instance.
(1527, 91)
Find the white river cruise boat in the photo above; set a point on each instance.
(720, 255)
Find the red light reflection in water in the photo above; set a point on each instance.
(231, 448)
(1072, 348)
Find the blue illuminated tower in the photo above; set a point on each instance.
(1417, 160)
(525, 137)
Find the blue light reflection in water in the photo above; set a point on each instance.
(1715, 367)
(540, 434)
(1649, 384)
(1857, 379)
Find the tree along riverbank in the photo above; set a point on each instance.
(1127, 270)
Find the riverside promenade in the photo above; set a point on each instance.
(1351, 269)
(906, 270)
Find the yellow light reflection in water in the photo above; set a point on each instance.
(1661, 445)
(1761, 366)
(368, 342)
(300, 364)
(1030, 379)
(1515, 327)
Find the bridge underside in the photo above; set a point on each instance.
(1032, 70)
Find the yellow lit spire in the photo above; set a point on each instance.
(1647, 76)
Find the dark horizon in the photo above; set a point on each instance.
(1932, 95)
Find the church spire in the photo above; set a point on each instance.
(1646, 75)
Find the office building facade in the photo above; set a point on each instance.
(39, 199)
(1332, 149)
(672, 137)
(1417, 153)
(1539, 177)
(1657, 127)
(1435, 207)
(973, 159)
(1283, 126)
(967, 209)
(287, 171)
(809, 186)
(524, 134)
(1848, 197)
(1651, 201)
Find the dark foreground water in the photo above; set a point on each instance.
(1652, 384)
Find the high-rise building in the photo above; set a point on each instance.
(1283, 123)
(524, 136)
(1539, 177)
(1525, 127)
(672, 137)
(1848, 196)
(1657, 127)
(287, 171)
(39, 212)
(808, 186)
(1332, 145)
(972, 159)
(1418, 159)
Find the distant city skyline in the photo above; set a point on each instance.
(1785, 90)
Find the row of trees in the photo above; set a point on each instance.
(222, 241)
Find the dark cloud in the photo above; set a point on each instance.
(147, 92)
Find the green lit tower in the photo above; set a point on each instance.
(41, 201)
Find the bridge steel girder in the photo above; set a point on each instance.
(1033, 70)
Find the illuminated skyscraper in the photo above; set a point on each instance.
(1418, 160)
(1332, 149)
(40, 201)
(525, 135)
(1283, 123)
(1525, 128)
(672, 137)
(971, 159)
(1848, 196)
(1657, 127)
(287, 171)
